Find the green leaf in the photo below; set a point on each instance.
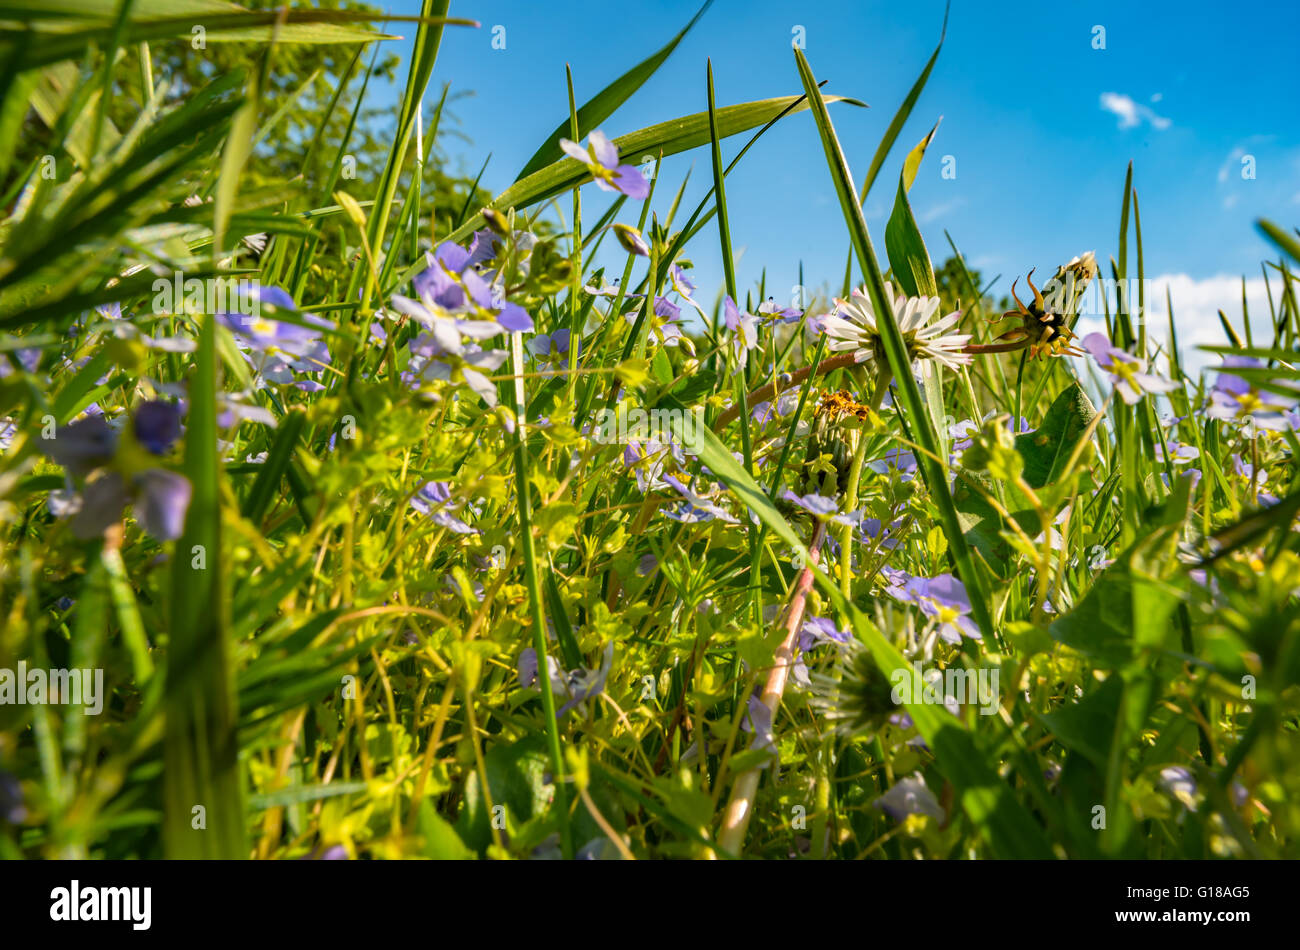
(516, 776)
(267, 484)
(1047, 448)
(93, 23)
(1128, 607)
(441, 843)
(560, 620)
(1287, 242)
(908, 258)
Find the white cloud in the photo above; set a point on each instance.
(1132, 113)
(943, 208)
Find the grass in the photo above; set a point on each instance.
(388, 544)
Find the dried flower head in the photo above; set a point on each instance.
(1045, 327)
(855, 697)
(833, 440)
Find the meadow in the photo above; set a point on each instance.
(387, 518)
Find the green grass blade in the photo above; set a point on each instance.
(200, 748)
(664, 138)
(899, 360)
(602, 105)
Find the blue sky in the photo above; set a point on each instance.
(1040, 125)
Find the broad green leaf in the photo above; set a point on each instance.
(1127, 609)
(1048, 448)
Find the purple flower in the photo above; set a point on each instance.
(1179, 453)
(583, 684)
(552, 349)
(159, 498)
(631, 240)
(1180, 783)
(817, 630)
(526, 667)
(872, 528)
(776, 314)
(1127, 372)
(29, 358)
(12, 809)
(469, 364)
(1233, 399)
(576, 686)
(456, 302)
(902, 586)
(744, 332)
(157, 425)
(601, 158)
(84, 445)
(697, 507)
(282, 348)
(944, 598)
(648, 463)
(902, 461)
(785, 404)
(483, 247)
(434, 501)
(758, 722)
(909, 796)
(819, 506)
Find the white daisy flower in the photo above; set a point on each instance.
(853, 327)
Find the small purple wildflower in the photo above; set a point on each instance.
(1127, 372)
(1233, 399)
(434, 501)
(601, 158)
(909, 796)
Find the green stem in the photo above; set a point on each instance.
(883, 375)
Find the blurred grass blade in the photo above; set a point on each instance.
(267, 483)
(1287, 242)
(203, 814)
